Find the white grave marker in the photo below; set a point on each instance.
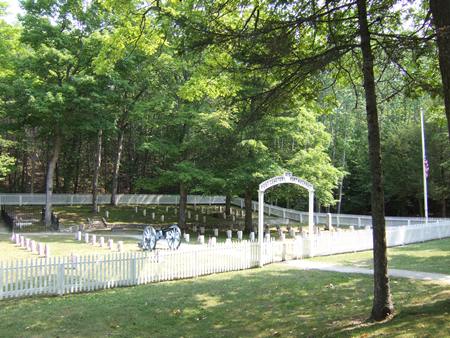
(252, 237)
(186, 238)
(47, 250)
(41, 250)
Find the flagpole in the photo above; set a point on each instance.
(424, 169)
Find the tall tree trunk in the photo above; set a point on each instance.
(228, 205)
(382, 302)
(440, 10)
(24, 177)
(341, 185)
(33, 169)
(182, 206)
(77, 168)
(98, 163)
(115, 178)
(57, 185)
(49, 178)
(248, 211)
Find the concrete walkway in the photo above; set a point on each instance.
(426, 276)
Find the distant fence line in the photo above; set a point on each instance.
(76, 199)
(359, 221)
(72, 274)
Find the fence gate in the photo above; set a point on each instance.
(285, 178)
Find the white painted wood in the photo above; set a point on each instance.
(62, 275)
(229, 234)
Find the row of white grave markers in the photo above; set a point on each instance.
(92, 239)
(228, 240)
(42, 249)
(234, 213)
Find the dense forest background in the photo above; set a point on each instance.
(213, 97)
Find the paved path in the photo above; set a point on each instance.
(427, 276)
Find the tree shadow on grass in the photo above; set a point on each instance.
(273, 301)
(412, 320)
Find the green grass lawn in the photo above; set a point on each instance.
(276, 301)
(432, 256)
(60, 245)
(126, 215)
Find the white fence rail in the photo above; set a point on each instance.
(328, 243)
(359, 221)
(64, 275)
(76, 199)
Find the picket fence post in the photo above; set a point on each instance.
(133, 270)
(1, 280)
(60, 278)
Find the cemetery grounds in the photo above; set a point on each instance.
(276, 300)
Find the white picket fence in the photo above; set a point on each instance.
(64, 275)
(337, 220)
(328, 243)
(359, 221)
(79, 199)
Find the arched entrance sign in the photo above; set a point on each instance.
(285, 178)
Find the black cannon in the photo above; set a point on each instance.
(172, 234)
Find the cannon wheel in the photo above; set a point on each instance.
(173, 237)
(149, 238)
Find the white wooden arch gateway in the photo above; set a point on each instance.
(285, 178)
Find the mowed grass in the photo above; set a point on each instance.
(432, 256)
(126, 215)
(61, 245)
(276, 301)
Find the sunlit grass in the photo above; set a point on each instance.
(61, 245)
(269, 302)
(432, 256)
